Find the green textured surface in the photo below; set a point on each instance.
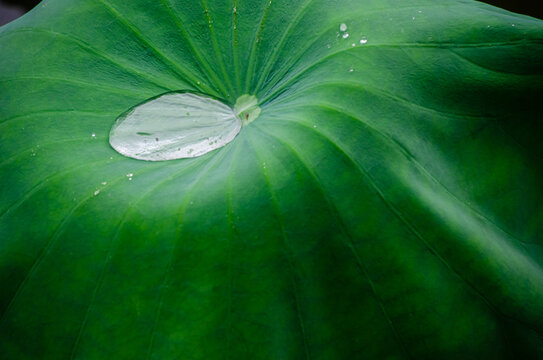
(392, 211)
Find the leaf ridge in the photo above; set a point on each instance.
(230, 234)
(206, 68)
(88, 48)
(251, 66)
(380, 92)
(42, 146)
(107, 88)
(42, 183)
(45, 251)
(219, 155)
(347, 234)
(287, 256)
(442, 46)
(113, 248)
(6, 120)
(217, 50)
(423, 169)
(184, 75)
(410, 227)
(279, 46)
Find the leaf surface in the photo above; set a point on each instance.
(384, 202)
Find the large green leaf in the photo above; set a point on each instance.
(386, 203)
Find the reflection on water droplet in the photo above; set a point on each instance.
(175, 134)
(129, 175)
(342, 27)
(345, 36)
(351, 70)
(93, 135)
(104, 182)
(363, 41)
(353, 44)
(96, 192)
(315, 126)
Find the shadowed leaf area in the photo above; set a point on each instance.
(385, 203)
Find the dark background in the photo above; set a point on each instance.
(528, 7)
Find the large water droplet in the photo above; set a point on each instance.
(342, 27)
(174, 125)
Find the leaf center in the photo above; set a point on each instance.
(247, 108)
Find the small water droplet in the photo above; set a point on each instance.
(363, 41)
(328, 46)
(353, 44)
(315, 126)
(345, 36)
(104, 182)
(512, 24)
(343, 27)
(93, 135)
(96, 192)
(351, 70)
(129, 175)
(412, 18)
